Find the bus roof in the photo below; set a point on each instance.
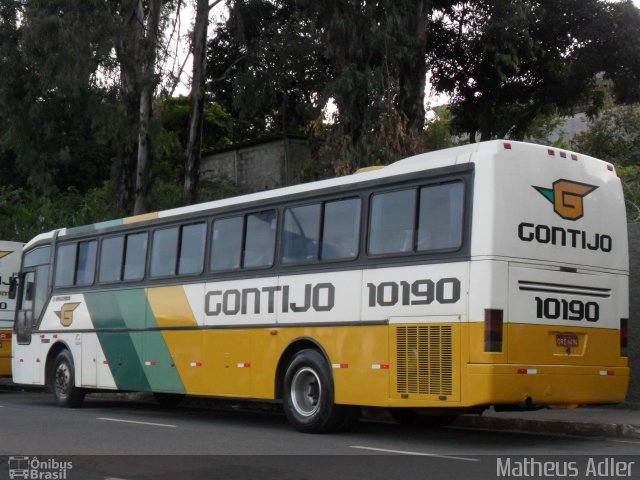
(420, 162)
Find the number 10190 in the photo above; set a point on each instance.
(554, 308)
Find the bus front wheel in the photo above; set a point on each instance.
(308, 396)
(62, 382)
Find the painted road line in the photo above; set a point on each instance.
(420, 454)
(136, 422)
(625, 441)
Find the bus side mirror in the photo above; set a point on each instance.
(13, 288)
(28, 294)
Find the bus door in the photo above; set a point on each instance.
(25, 318)
(33, 294)
(25, 323)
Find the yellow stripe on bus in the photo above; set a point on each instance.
(140, 218)
(171, 308)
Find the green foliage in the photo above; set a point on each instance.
(265, 67)
(70, 86)
(25, 213)
(613, 136)
(170, 132)
(507, 62)
(49, 104)
(630, 177)
(438, 133)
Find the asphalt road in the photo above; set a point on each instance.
(111, 438)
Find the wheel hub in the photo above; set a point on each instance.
(306, 390)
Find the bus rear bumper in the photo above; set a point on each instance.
(540, 385)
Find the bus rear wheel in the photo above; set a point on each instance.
(62, 382)
(308, 396)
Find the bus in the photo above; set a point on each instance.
(10, 253)
(491, 274)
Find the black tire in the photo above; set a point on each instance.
(62, 382)
(308, 396)
(168, 400)
(417, 418)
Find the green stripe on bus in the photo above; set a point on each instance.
(147, 349)
(119, 347)
(94, 227)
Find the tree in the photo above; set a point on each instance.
(614, 136)
(149, 44)
(198, 79)
(266, 68)
(50, 103)
(136, 42)
(276, 63)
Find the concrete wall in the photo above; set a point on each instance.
(634, 313)
(259, 166)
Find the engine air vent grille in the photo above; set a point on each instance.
(424, 360)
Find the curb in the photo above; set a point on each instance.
(550, 426)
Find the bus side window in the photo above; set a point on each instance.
(441, 217)
(86, 262)
(392, 222)
(300, 234)
(111, 259)
(341, 229)
(260, 239)
(164, 252)
(65, 264)
(135, 256)
(192, 241)
(226, 244)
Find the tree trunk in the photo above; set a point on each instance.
(194, 142)
(128, 54)
(413, 67)
(150, 42)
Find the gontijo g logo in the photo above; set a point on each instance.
(65, 314)
(566, 197)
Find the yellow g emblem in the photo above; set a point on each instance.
(65, 314)
(566, 197)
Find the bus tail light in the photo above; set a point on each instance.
(624, 335)
(493, 330)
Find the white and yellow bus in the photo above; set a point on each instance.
(487, 274)
(10, 253)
